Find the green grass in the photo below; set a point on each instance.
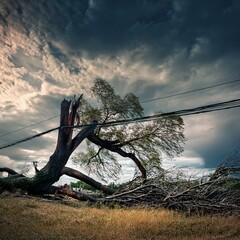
(32, 219)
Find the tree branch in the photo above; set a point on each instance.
(113, 148)
(76, 174)
(76, 195)
(82, 135)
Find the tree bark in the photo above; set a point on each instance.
(71, 173)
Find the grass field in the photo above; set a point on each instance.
(34, 219)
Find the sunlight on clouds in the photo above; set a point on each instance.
(189, 162)
(19, 82)
(135, 67)
(201, 130)
(56, 77)
(16, 82)
(13, 87)
(125, 67)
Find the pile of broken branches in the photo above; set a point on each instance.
(218, 194)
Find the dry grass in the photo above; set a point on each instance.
(31, 219)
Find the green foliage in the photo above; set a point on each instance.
(148, 141)
(81, 184)
(109, 106)
(116, 186)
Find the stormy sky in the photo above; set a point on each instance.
(53, 49)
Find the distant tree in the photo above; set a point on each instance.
(75, 184)
(143, 143)
(81, 184)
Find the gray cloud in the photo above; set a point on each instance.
(19, 59)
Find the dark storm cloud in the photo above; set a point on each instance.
(107, 27)
(141, 87)
(224, 142)
(92, 26)
(57, 53)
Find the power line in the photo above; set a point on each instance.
(28, 138)
(184, 112)
(192, 111)
(150, 100)
(190, 91)
(34, 124)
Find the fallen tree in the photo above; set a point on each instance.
(143, 144)
(216, 193)
(43, 180)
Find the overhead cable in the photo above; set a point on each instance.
(28, 138)
(28, 126)
(191, 111)
(191, 91)
(146, 101)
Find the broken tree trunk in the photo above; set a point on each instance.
(66, 144)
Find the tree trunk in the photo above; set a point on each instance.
(43, 180)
